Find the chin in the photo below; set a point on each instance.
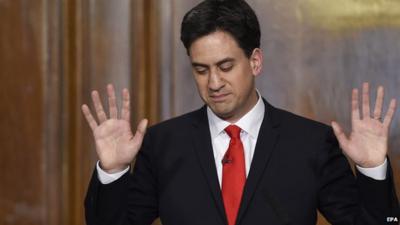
(224, 114)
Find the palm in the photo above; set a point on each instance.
(371, 137)
(114, 142)
(367, 144)
(116, 146)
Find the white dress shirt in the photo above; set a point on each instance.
(250, 124)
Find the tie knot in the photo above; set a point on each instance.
(233, 131)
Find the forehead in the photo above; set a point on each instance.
(214, 47)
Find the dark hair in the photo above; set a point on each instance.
(233, 16)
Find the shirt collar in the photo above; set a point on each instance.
(250, 122)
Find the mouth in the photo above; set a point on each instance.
(218, 98)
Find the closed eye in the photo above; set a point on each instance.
(200, 70)
(226, 67)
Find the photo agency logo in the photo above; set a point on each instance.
(390, 219)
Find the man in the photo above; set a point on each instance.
(237, 160)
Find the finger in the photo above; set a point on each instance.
(378, 103)
(125, 112)
(112, 101)
(365, 101)
(355, 109)
(89, 118)
(340, 135)
(101, 115)
(390, 113)
(140, 132)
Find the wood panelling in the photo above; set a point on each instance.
(52, 54)
(146, 58)
(74, 58)
(52, 114)
(23, 167)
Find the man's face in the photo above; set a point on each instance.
(224, 75)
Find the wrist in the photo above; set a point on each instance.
(372, 164)
(114, 168)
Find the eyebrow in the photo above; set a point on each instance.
(195, 64)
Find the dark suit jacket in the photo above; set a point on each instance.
(297, 168)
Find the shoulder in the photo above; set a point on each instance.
(295, 121)
(179, 123)
(298, 126)
(305, 138)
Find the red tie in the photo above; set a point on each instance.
(234, 174)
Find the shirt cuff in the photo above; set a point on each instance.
(107, 178)
(376, 173)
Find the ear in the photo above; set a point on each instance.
(256, 61)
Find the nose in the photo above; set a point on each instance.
(215, 82)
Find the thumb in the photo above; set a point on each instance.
(140, 132)
(340, 135)
(142, 127)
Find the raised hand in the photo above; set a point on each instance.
(116, 146)
(367, 144)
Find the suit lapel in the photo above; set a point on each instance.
(266, 141)
(203, 148)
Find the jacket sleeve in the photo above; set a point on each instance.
(130, 200)
(348, 199)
